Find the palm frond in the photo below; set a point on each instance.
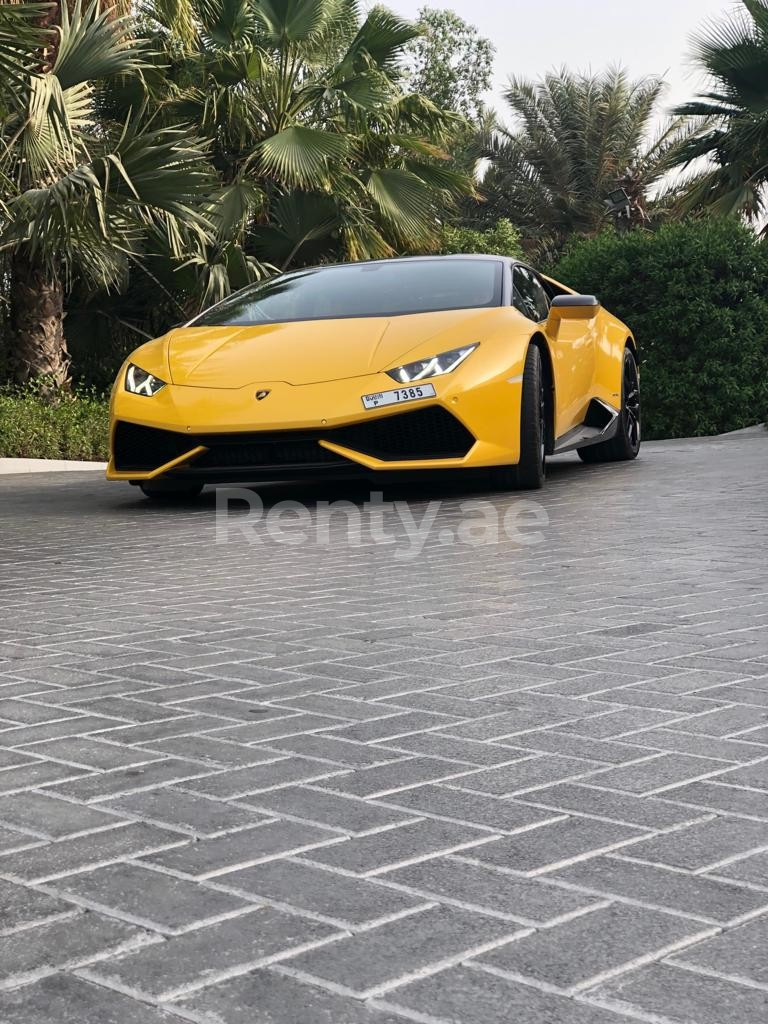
(301, 156)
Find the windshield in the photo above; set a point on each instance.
(392, 288)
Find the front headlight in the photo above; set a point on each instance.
(432, 366)
(139, 382)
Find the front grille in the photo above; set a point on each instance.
(146, 448)
(234, 454)
(429, 433)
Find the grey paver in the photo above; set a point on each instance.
(207, 858)
(462, 995)
(574, 954)
(376, 959)
(470, 808)
(64, 999)
(682, 997)
(68, 942)
(187, 812)
(544, 848)
(700, 846)
(738, 953)
(228, 947)
(528, 900)
(280, 1000)
(693, 895)
(21, 907)
(350, 902)
(342, 813)
(160, 901)
(375, 852)
(66, 856)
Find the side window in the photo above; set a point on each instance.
(528, 295)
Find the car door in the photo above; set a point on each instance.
(572, 344)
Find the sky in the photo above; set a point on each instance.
(647, 37)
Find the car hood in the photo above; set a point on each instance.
(311, 351)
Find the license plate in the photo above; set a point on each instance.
(412, 393)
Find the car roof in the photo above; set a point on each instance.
(410, 259)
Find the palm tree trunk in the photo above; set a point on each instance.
(37, 326)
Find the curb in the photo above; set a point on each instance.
(8, 466)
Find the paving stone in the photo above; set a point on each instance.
(127, 709)
(209, 750)
(537, 770)
(66, 943)
(684, 997)
(283, 771)
(96, 788)
(148, 733)
(697, 896)
(22, 712)
(150, 898)
(348, 902)
(326, 747)
(13, 758)
(724, 721)
(337, 707)
(445, 704)
(625, 722)
(26, 735)
(607, 939)
(753, 870)
(68, 855)
(293, 724)
(472, 752)
(50, 817)
(480, 887)
(755, 776)
(89, 752)
(188, 813)
(382, 730)
(42, 773)
(474, 809)
(700, 846)
(391, 778)
(463, 995)
(342, 813)
(373, 853)
(544, 848)
(646, 812)
(554, 741)
(262, 935)
(208, 858)
(718, 749)
(715, 796)
(738, 953)
(374, 960)
(280, 1000)
(658, 773)
(21, 907)
(64, 999)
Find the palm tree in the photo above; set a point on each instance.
(732, 116)
(320, 153)
(83, 195)
(578, 138)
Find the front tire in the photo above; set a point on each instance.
(529, 473)
(170, 491)
(625, 444)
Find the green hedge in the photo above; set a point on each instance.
(695, 295)
(72, 428)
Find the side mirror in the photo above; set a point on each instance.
(574, 307)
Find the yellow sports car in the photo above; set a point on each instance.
(406, 365)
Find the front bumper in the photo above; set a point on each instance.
(226, 435)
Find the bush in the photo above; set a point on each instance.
(503, 239)
(31, 427)
(695, 295)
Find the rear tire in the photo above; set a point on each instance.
(169, 491)
(529, 473)
(625, 444)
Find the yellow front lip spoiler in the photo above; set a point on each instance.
(114, 474)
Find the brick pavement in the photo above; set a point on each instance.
(271, 783)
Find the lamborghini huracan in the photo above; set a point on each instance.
(401, 365)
